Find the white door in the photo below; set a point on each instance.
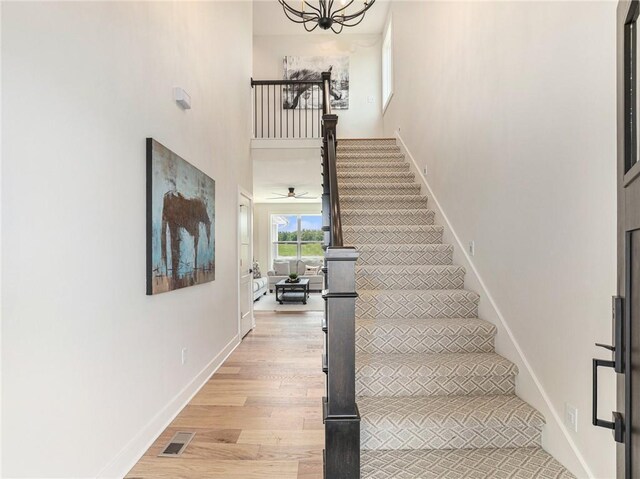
(245, 219)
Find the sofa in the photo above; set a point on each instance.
(260, 286)
(282, 269)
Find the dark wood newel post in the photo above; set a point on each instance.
(341, 416)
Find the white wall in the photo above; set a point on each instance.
(362, 119)
(511, 106)
(262, 226)
(91, 366)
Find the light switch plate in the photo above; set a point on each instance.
(571, 417)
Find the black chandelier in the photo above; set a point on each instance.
(321, 13)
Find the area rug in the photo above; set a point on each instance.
(269, 303)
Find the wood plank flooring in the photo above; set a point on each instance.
(260, 414)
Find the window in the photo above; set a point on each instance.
(387, 66)
(297, 237)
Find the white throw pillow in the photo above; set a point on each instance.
(311, 270)
(281, 269)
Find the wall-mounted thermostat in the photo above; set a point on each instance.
(182, 98)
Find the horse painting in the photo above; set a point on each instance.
(187, 214)
(310, 69)
(311, 98)
(180, 214)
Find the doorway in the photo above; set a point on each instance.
(245, 262)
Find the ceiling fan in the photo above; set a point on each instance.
(293, 195)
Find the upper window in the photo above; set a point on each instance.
(297, 237)
(387, 65)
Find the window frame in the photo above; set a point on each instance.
(299, 242)
(387, 65)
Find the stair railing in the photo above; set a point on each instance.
(340, 411)
(287, 108)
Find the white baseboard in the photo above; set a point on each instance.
(462, 254)
(133, 451)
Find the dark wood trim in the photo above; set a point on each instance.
(149, 215)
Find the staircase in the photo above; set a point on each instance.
(435, 399)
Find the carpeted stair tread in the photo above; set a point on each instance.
(448, 422)
(417, 234)
(448, 412)
(424, 335)
(416, 303)
(441, 364)
(347, 157)
(405, 254)
(373, 165)
(409, 276)
(387, 217)
(353, 147)
(374, 189)
(375, 176)
(434, 374)
(368, 141)
(384, 201)
(505, 463)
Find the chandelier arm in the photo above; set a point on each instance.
(312, 28)
(337, 31)
(308, 17)
(343, 8)
(345, 24)
(286, 6)
(301, 14)
(313, 7)
(345, 21)
(351, 16)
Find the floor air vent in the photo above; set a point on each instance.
(178, 444)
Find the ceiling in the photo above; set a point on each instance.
(269, 19)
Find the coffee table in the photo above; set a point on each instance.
(292, 292)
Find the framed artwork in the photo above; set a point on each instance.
(180, 222)
(311, 68)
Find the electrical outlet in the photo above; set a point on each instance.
(424, 170)
(472, 248)
(571, 417)
(370, 99)
(184, 356)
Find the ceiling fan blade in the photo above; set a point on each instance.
(306, 197)
(278, 198)
(302, 194)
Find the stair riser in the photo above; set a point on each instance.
(379, 167)
(391, 386)
(402, 237)
(375, 156)
(367, 149)
(429, 280)
(425, 217)
(434, 257)
(440, 305)
(513, 463)
(365, 141)
(453, 438)
(364, 177)
(372, 190)
(389, 203)
(407, 343)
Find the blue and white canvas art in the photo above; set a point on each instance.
(180, 222)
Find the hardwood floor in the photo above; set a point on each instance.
(260, 414)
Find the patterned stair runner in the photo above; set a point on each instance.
(435, 398)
